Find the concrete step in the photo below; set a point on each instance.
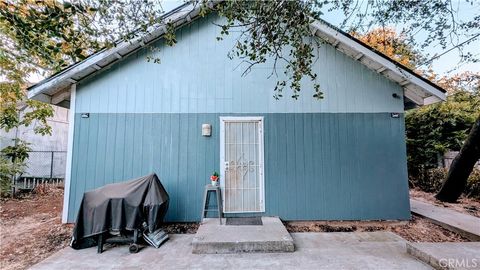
(213, 238)
(448, 255)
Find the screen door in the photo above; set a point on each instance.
(241, 164)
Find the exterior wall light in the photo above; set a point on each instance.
(206, 130)
(85, 115)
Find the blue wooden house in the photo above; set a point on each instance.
(340, 158)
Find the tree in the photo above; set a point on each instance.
(16, 63)
(46, 36)
(461, 167)
(434, 129)
(16, 110)
(20, 56)
(469, 154)
(387, 41)
(12, 163)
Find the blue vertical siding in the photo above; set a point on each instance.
(339, 158)
(319, 166)
(196, 76)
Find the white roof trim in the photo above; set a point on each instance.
(416, 89)
(65, 78)
(360, 51)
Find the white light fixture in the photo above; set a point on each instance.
(206, 130)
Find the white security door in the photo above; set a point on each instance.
(241, 164)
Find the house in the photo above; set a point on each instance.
(340, 158)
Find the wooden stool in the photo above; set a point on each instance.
(206, 199)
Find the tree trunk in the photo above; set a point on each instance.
(461, 167)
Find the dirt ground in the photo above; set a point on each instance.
(416, 230)
(190, 227)
(31, 228)
(465, 205)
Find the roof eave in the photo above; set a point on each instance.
(48, 89)
(416, 88)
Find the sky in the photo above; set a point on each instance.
(447, 64)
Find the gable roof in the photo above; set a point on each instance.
(56, 88)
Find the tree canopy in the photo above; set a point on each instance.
(387, 41)
(433, 130)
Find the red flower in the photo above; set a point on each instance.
(214, 178)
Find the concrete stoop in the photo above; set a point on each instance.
(461, 255)
(213, 238)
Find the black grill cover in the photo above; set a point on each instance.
(118, 207)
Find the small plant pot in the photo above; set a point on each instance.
(214, 183)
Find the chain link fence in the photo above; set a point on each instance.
(43, 167)
(46, 164)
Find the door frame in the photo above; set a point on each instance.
(261, 153)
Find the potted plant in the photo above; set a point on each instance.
(215, 179)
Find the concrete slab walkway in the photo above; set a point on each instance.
(447, 255)
(365, 250)
(463, 224)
